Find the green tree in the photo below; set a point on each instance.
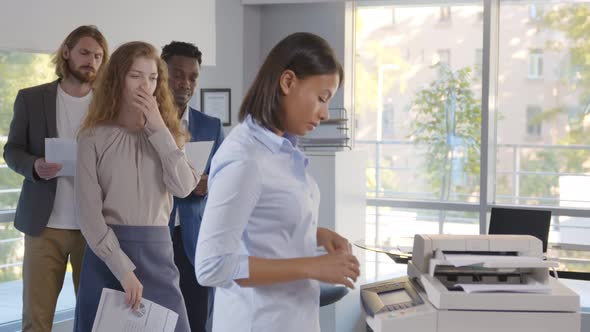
(447, 123)
(371, 58)
(18, 70)
(572, 21)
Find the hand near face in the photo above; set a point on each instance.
(147, 104)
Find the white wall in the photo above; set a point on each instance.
(253, 54)
(342, 209)
(229, 63)
(324, 19)
(245, 35)
(40, 26)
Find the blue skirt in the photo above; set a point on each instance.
(150, 249)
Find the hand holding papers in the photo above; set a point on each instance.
(198, 154)
(62, 151)
(114, 315)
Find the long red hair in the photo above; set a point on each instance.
(108, 94)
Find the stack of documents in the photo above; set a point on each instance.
(498, 261)
(114, 315)
(501, 262)
(532, 286)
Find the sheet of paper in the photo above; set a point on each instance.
(531, 287)
(62, 151)
(113, 315)
(198, 154)
(497, 261)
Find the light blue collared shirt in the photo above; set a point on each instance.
(262, 203)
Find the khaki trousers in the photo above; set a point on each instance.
(44, 268)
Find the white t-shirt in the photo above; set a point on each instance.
(69, 114)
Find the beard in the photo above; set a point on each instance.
(86, 76)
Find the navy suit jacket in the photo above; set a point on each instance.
(190, 209)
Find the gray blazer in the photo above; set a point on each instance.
(33, 120)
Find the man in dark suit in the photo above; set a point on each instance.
(184, 65)
(45, 211)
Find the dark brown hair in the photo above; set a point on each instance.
(303, 53)
(61, 65)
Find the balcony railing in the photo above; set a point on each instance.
(515, 174)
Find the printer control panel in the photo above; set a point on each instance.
(390, 296)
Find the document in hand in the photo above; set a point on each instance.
(198, 154)
(62, 151)
(114, 315)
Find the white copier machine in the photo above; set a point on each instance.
(473, 283)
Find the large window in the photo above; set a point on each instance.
(17, 70)
(405, 73)
(527, 92)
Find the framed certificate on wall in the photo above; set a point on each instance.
(217, 103)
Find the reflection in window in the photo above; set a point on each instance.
(535, 12)
(478, 63)
(443, 61)
(533, 121)
(445, 14)
(388, 116)
(429, 88)
(536, 64)
(542, 126)
(444, 57)
(540, 119)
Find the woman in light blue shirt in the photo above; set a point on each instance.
(259, 234)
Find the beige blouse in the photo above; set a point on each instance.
(127, 178)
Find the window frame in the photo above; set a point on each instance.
(535, 62)
(533, 130)
(445, 14)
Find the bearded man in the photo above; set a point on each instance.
(45, 210)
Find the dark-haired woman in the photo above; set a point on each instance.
(259, 234)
